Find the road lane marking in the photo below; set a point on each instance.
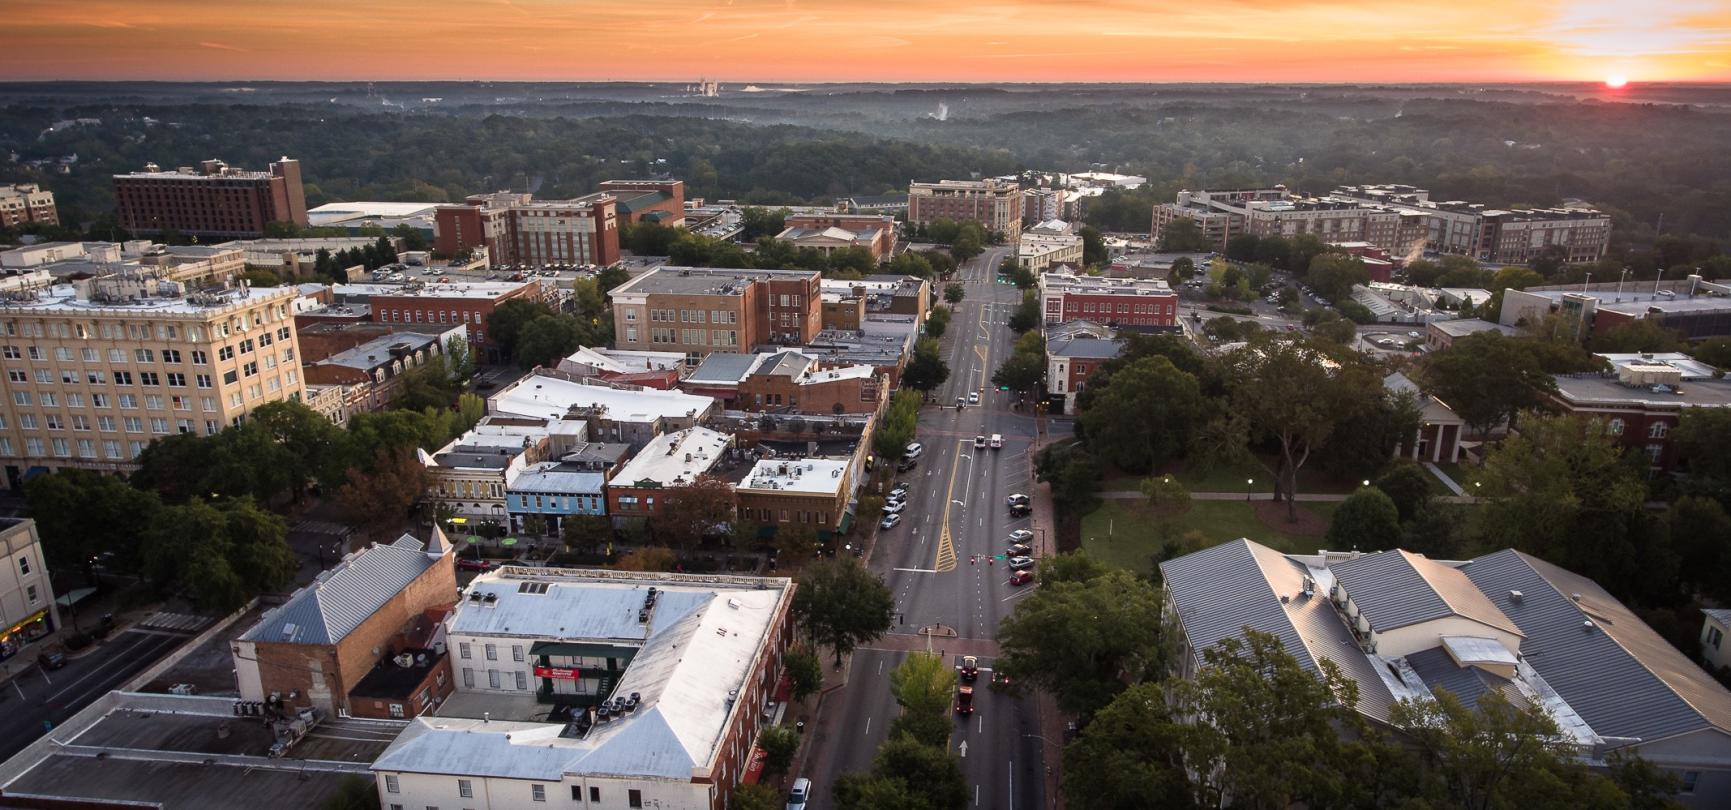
(918, 570)
(868, 728)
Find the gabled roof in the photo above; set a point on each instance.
(343, 597)
(1619, 675)
(1085, 347)
(1218, 591)
(1439, 671)
(1398, 589)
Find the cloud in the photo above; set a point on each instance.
(221, 47)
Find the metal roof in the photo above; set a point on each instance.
(1619, 675)
(1085, 347)
(1220, 590)
(1469, 684)
(343, 597)
(723, 367)
(1399, 589)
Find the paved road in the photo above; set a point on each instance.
(936, 563)
(34, 696)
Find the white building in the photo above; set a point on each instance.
(1040, 252)
(668, 678)
(27, 608)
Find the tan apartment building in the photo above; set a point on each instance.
(27, 608)
(97, 369)
(519, 229)
(995, 204)
(27, 203)
(698, 310)
(812, 492)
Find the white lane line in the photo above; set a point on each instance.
(976, 795)
(868, 727)
(919, 570)
(1023, 592)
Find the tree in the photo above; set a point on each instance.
(258, 549)
(1165, 497)
(1093, 246)
(1486, 378)
(187, 550)
(1701, 437)
(1021, 276)
(911, 263)
(954, 292)
(81, 514)
(1639, 335)
(755, 797)
(758, 222)
(379, 498)
(779, 744)
(1083, 641)
(804, 670)
(1168, 405)
(1020, 372)
(1700, 533)
(937, 322)
(926, 370)
(584, 532)
(1130, 756)
(795, 541)
(1027, 314)
(647, 558)
(1715, 352)
(896, 428)
(1367, 519)
(506, 321)
(842, 605)
(1409, 486)
(1286, 390)
(543, 341)
(922, 684)
(907, 775)
(1182, 235)
(1073, 474)
(535, 524)
(688, 513)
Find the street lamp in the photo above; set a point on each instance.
(1248, 483)
(1367, 482)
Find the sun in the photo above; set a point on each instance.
(1616, 81)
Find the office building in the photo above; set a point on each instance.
(667, 677)
(470, 475)
(213, 200)
(464, 302)
(667, 462)
(573, 486)
(98, 368)
(830, 232)
(1120, 303)
(26, 204)
(1040, 252)
(809, 492)
(995, 205)
(659, 201)
(697, 310)
(789, 381)
(1403, 626)
(517, 229)
(1267, 212)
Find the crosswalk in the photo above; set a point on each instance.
(182, 622)
(321, 527)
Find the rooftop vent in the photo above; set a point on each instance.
(1516, 596)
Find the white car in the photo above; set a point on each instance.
(997, 441)
(1413, 334)
(895, 508)
(889, 521)
(914, 449)
(973, 397)
(1021, 536)
(979, 442)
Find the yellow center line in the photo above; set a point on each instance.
(946, 560)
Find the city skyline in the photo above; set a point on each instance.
(897, 40)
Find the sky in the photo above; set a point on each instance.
(872, 40)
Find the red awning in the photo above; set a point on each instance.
(783, 689)
(754, 771)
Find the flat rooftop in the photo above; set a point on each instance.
(548, 396)
(806, 476)
(65, 298)
(380, 350)
(1598, 388)
(465, 289)
(701, 280)
(675, 458)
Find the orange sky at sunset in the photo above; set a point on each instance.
(884, 40)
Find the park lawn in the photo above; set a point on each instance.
(1121, 533)
(1231, 479)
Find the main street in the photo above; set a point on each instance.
(939, 565)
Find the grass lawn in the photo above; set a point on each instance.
(1231, 479)
(1124, 534)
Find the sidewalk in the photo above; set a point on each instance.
(1051, 720)
(89, 615)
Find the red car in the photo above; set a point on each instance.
(475, 565)
(1022, 577)
(964, 700)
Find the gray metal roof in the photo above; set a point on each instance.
(1398, 589)
(1085, 347)
(1220, 590)
(785, 364)
(343, 597)
(1439, 671)
(1619, 675)
(723, 367)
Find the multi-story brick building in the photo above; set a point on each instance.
(27, 204)
(1642, 399)
(1488, 234)
(787, 381)
(659, 201)
(213, 200)
(1267, 212)
(518, 229)
(698, 310)
(830, 232)
(668, 677)
(670, 461)
(27, 608)
(354, 619)
(98, 368)
(466, 302)
(373, 373)
(809, 492)
(995, 205)
(1070, 360)
(1121, 303)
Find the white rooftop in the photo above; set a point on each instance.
(675, 458)
(541, 395)
(818, 476)
(465, 289)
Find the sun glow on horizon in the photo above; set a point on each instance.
(1616, 81)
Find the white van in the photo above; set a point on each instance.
(801, 792)
(997, 441)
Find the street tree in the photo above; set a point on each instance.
(908, 775)
(954, 292)
(804, 670)
(1366, 520)
(1145, 416)
(842, 605)
(647, 558)
(1020, 372)
(1182, 235)
(779, 744)
(542, 341)
(1027, 313)
(81, 514)
(896, 429)
(922, 684)
(1073, 474)
(688, 513)
(746, 797)
(926, 370)
(795, 541)
(1084, 641)
(507, 320)
(1486, 378)
(1292, 392)
(584, 532)
(1130, 756)
(1093, 246)
(378, 497)
(937, 322)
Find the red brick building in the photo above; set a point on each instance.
(659, 201)
(697, 310)
(873, 232)
(315, 649)
(465, 303)
(1642, 400)
(519, 229)
(1121, 303)
(213, 200)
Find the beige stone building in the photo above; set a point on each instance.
(97, 369)
(698, 310)
(27, 609)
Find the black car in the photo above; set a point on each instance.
(906, 464)
(51, 660)
(1021, 510)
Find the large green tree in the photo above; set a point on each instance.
(1144, 417)
(841, 604)
(1367, 520)
(926, 370)
(1486, 378)
(922, 685)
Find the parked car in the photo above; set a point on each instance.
(52, 659)
(914, 449)
(1018, 499)
(1020, 510)
(901, 488)
(890, 521)
(894, 508)
(1019, 563)
(1019, 550)
(1021, 536)
(801, 792)
(1021, 577)
(468, 564)
(973, 397)
(907, 464)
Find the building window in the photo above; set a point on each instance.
(492, 653)
(465, 789)
(23, 566)
(538, 792)
(492, 679)
(396, 710)
(634, 797)
(594, 794)
(463, 650)
(468, 678)
(391, 785)
(30, 593)
(1713, 635)
(517, 649)
(1658, 430)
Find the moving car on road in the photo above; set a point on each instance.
(964, 700)
(973, 397)
(997, 441)
(980, 442)
(796, 798)
(970, 669)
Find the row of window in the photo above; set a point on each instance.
(104, 423)
(427, 316)
(75, 399)
(537, 793)
(111, 330)
(62, 448)
(691, 337)
(688, 315)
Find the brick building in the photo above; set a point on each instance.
(27, 204)
(787, 381)
(213, 200)
(372, 374)
(1440, 429)
(659, 201)
(1642, 399)
(829, 232)
(518, 229)
(316, 648)
(669, 461)
(1071, 360)
(809, 492)
(1130, 304)
(995, 205)
(697, 310)
(467, 303)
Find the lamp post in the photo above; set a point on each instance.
(1248, 483)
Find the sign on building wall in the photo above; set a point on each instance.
(557, 673)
